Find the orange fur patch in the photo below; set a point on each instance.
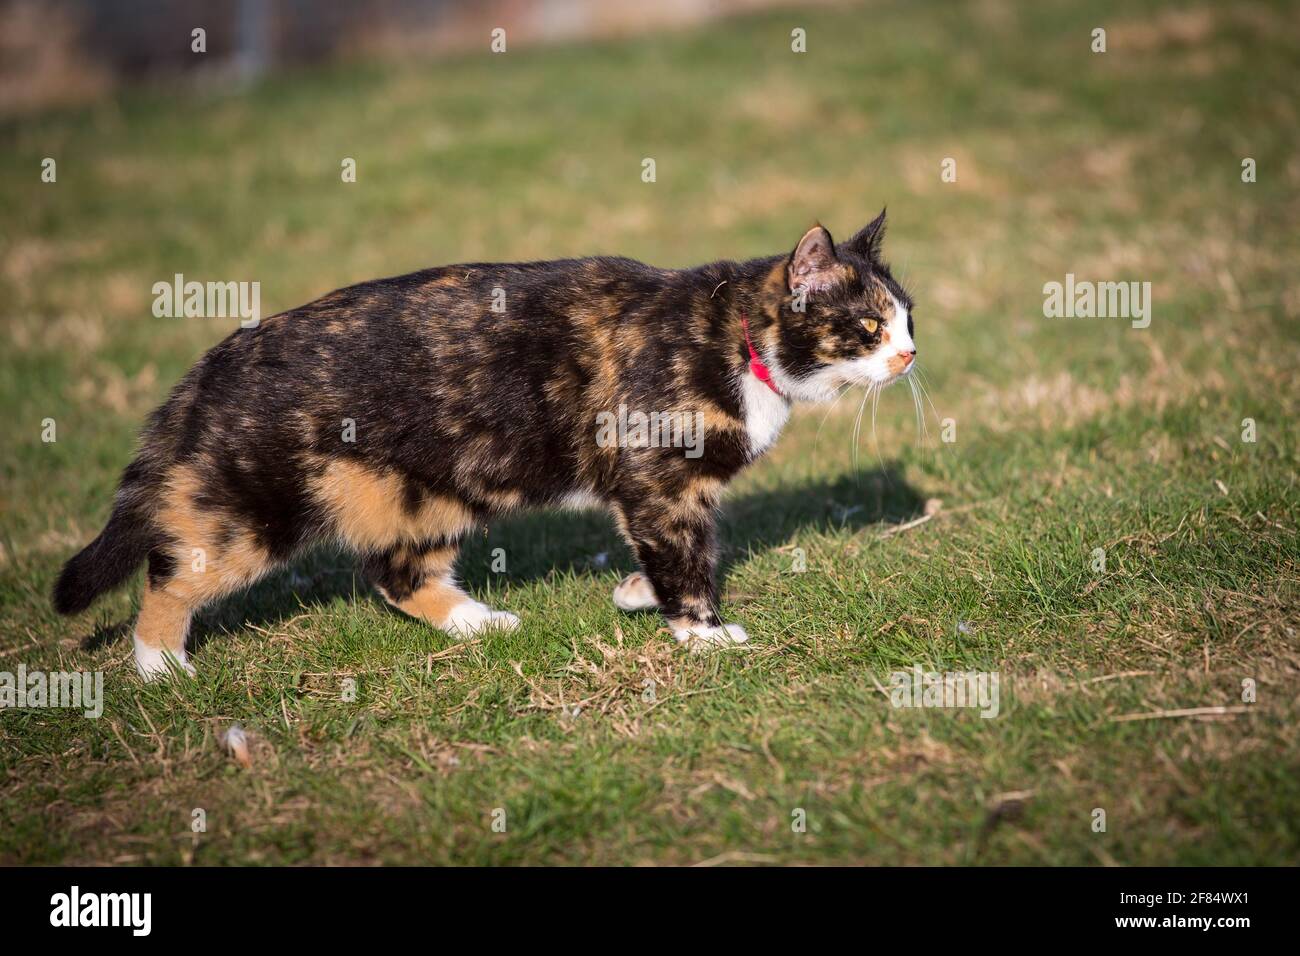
(367, 510)
(212, 557)
(164, 620)
(433, 602)
(435, 599)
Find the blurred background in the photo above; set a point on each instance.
(66, 51)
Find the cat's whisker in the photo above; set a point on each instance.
(921, 432)
(835, 401)
(857, 425)
(875, 406)
(926, 392)
(853, 435)
(817, 439)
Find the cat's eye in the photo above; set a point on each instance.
(870, 325)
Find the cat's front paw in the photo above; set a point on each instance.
(635, 593)
(705, 637)
(470, 617)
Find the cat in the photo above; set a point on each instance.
(396, 415)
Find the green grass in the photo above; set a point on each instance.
(1071, 435)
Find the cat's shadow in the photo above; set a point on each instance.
(552, 545)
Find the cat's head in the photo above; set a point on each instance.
(841, 317)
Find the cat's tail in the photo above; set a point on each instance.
(111, 558)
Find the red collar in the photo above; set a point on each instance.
(756, 364)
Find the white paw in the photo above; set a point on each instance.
(701, 637)
(153, 663)
(471, 617)
(635, 593)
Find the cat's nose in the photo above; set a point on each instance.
(908, 357)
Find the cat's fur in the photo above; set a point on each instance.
(462, 413)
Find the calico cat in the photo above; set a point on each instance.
(396, 415)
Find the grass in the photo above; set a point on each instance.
(1070, 435)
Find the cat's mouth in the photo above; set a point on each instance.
(875, 371)
(879, 371)
(901, 363)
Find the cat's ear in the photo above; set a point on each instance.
(813, 264)
(867, 242)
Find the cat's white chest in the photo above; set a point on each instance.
(765, 414)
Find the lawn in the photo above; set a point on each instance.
(588, 736)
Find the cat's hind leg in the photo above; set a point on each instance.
(160, 633)
(417, 580)
(203, 553)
